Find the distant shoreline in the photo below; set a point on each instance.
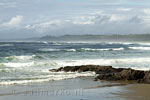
(89, 37)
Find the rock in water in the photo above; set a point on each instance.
(109, 73)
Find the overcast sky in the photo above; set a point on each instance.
(34, 18)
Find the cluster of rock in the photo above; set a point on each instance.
(109, 73)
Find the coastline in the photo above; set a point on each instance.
(76, 88)
(109, 83)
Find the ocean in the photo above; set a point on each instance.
(29, 62)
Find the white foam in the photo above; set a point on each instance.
(52, 77)
(126, 43)
(107, 49)
(56, 43)
(45, 42)
(21, 57)
(90, 49)
(28, 64)
(62, 63)
(144, 44)
(46, 49)
(143, 68)
(40, 73)
(6, 45)
(126, 62)
(83, 49)
(118, 49)
(140, 48)
(70, 50)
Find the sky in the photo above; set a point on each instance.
(36, 18)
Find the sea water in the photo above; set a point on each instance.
(28, 62)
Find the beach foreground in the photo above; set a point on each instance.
(83, 88)
(76, 89)
(137, 92)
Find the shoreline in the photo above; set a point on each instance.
(86, 87)
(93, 90)
(76, 88)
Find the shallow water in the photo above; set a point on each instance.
(71, 89)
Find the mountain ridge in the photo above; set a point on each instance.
(88, 37)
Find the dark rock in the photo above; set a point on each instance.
(146, 78)
(109, 73)
(126, 74)
(94, 68)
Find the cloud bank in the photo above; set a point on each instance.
(30, 18)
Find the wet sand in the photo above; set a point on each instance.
(83, 88)
(138, 92)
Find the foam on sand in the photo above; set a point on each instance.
(52, 77)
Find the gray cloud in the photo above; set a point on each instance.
(98, 24)
(29, 18)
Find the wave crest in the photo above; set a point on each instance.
(81, 50)
(6, 45)
(52, 77)
(140, 48)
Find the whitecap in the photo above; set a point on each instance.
(6, 45)
(12, 64)
(139, 48)
(105, 49)
(46, 49)
(52, 77)
(70, 50)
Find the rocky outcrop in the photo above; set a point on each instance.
(126, 74)
(94, 68)
(109, 73)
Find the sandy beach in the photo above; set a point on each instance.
(137, 92)
(83, 88)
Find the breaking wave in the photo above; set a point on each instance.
(107, 49)
(52, 77)
(6, 45)
(82, 49)
(39, 71)
(140, 48)
(30, 62)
